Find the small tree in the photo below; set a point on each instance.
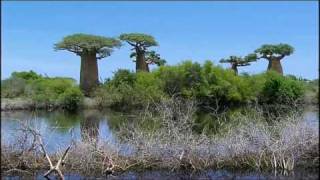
(237, 61)
(140, 43)
(90, 48)
(274, 54)
(151, 57)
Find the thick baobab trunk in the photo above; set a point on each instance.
(141, 64)
(234, 68)
(275, 65)
(88, 73)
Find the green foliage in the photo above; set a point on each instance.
(210, 85)
(28, 76)
(48, 89)
(42, 90)
(127, 90)
(13, 87)
(207, 83)
(151, 57)
(268, 50)
(282, 90)
(123, 76)
(139, 39)
(71, 98)
(239, 61)
(85, 43)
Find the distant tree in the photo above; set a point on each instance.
(140, 42)
(274, 54)
(151, 57)
(237, 61)
(90, 48)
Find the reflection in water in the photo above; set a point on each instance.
(89, 125)
(298, 174)
(95, 125)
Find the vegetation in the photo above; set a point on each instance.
(44, 91)
(151, 57)
(170, 143)
(274, 54)
(90, 48)
(236, 61)
(210, 85)
(140, 42)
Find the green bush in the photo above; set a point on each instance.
(47, 90)
(71, 98)
(210, 85)
(28, 76)
(13, 87)
(281, 90)
(123, 76)
(129, 90)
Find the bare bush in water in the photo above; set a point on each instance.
(170, 143)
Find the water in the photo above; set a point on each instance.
(167, 175)
(56, 127)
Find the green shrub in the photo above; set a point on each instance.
(123, 76)
(13, 87)
(127, 90)
(48, 90)
(71, 98)
(28, 76)
(280, 89)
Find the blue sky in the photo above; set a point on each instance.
(185, 30)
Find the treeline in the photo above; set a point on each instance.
(210, 85)
(92, 48)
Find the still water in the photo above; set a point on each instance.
(167, 175)
(56, 126)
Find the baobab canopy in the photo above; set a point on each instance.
(85, 43)
(89, 48)
(274, 54)
(139, 39)
(140, 42)
(237, 61)
(278, 50)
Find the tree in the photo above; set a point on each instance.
(274, 54)
(140, 42)
(151, 57)
(90, 48)
(237, 61)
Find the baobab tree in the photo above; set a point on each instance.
(151, 57)
(237, 61)
(140, 42)
(90, 48)
(274, 54)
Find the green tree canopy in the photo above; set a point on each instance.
(140, 42)
(81, 44)
(89, 48)
(151, 57)
(277, 51)
(274, 54)
(237, 61)
(139, 39)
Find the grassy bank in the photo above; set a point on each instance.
(170, 142)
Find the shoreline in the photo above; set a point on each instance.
(15, 104)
